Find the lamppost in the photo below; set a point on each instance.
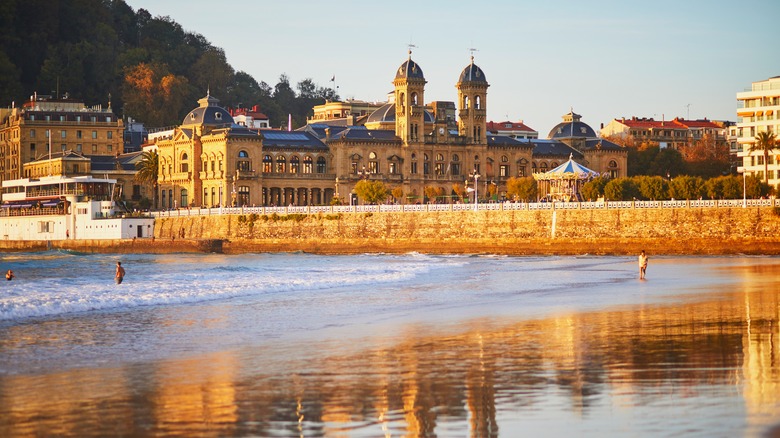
(337, 187)
(744, 185)
(476, 176)
(233, 193)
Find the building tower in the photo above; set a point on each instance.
(472, 104)
(409, 102)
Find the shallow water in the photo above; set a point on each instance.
(387, 345)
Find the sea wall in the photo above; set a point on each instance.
(752, 230)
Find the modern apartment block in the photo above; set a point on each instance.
(757, 111)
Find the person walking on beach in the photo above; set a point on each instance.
(10, 275)
(120, 273)
(642, 264)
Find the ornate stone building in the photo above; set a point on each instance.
(414, 148)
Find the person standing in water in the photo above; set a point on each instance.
(10, 275)
(120, 273)
(642, 264)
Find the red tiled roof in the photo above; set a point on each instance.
(649, 123)
(515, 126)
(697, 123)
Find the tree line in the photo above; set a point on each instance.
(150, 68)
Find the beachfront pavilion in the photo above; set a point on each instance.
(564, 182)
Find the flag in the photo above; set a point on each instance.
(333, 79)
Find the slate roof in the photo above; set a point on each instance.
(292, 139)
(209, 113)
(545, 147)
(409, 70)
(108, 163)
(600, 143)
(572, 129)
(504, 140)
(386, 113)
(363, 134)
(472, 73)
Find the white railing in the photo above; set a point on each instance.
(503, 206)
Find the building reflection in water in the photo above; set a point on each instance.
(492, 375)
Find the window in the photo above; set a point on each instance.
(109, 148)
(63, 147)
(295, 164)
(392, 168)
(110, 134)
(307, 165)
(413, 168)
(184, 164)
(184, 200)
(63, 134)
(267, 164)
(243, 195)
(439, 157)
(373, 167)
(321, 165)
(78, 147)
(78, 134)
(439, 168)
(94, 134)
(108, 119)
(32, 149)
(281, 164)
(32, 133)
(477, 102)
(503, 170)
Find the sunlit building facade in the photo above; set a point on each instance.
(757, 111)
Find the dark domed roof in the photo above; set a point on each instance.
(572, 127)
(409, 70)
(209, 113)
(472, 73)
(386, 113)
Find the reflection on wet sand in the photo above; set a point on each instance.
(636, 364)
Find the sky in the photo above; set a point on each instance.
(604, 59)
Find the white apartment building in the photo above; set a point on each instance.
(758, 110)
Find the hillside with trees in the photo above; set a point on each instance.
(149, 67)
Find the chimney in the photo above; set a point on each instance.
(327, 134)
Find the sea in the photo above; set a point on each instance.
(384, 345)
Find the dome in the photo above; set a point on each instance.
(209, 113)
(472, 73)
(572, 127)
(386, 114)
(409, 70)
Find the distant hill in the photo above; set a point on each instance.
(151, 68)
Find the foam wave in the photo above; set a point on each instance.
(62, 285)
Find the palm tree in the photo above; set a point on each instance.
(765, 143)
(148, 171)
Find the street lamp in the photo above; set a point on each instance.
(337, 187)
(476, 176)
(743, 171)
(363, 173)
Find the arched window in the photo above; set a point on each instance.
(465, 102)
(439, 157)
(543, 167)
(504, 159)
(321, 165)
(553, 165)
(281, 164)
(307, 164)
(243, 164)
(295, 164)
(455, 157)
(373, 164)
(477, 102)
(414, 98)
(184, 200)
(613, 164)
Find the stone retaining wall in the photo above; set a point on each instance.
(752, 230)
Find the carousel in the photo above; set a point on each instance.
(564, 182)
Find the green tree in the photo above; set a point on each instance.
(653, 187)
(434, 194)
(371, 192)
(148, 168)
(731, 187)
(686, 187)
(765, 143)
(594, 189)
(522, 188)
(398, 193)
(621, 189)
(756, 188)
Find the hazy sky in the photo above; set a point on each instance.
(605, 59)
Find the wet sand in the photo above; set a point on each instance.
(692, 351)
